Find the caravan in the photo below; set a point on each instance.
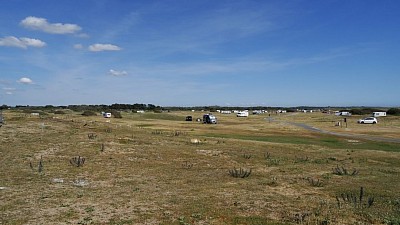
(378, 114)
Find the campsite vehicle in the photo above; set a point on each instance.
(209, 118)
(106, 114)
(1, 119)
(343, 113)
(378, 114)
(189, 118)
(372, 120)
(243, 114)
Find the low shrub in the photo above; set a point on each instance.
(89, 113)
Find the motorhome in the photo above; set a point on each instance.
(106, 114)
(243, 114)
(209, 118)
(378, 114)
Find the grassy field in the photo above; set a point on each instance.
(156, 168)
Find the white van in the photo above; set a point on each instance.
(106, 115)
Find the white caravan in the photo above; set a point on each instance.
(378, 114)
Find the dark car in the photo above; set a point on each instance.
(189, 118)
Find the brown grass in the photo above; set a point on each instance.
(141, 176)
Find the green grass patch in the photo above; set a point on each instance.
(157, 116)
(254, 220)
(145, 125)
(325, 141)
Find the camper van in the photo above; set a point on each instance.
(106, 115)
(378, 114)
(243, 114)
(209, 118)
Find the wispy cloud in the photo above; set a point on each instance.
(250, 65)
(103, 47)
(9, 89)
(117, 73)
(23, 42)
(78, 46)
(36, 23)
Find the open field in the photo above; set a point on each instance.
(156, 168)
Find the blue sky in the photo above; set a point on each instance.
(199, 52)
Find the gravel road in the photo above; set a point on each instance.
(354, 136)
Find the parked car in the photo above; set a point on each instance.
(189, 118)
(372, 120)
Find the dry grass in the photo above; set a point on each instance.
(144, 169)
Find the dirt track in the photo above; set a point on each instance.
(357, 136)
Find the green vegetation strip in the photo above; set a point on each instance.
(158, 116)
(323, 140)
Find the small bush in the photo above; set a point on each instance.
(393, 111)
(59, 112)
(116, 114)
(89, 113)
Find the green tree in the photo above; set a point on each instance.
(393, 111)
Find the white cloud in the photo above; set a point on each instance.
(25, 80)
(9, 93)
(23, 42)
(103, 47)
(36, 23)
(117, 73)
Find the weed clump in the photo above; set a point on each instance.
(315, 182)
(92, 136)
(246, 156)
(187, 165)
(77, 161)
(40, 166)
(356, 200)
(240, 173)
(343, 171)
